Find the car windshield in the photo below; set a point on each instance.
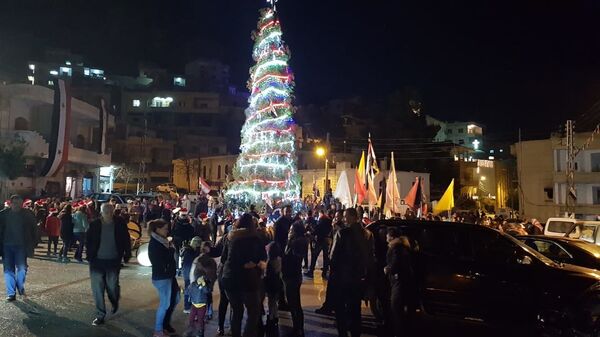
(559, 226)
(531, 251)
(588, 247)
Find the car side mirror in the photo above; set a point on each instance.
(525, 260)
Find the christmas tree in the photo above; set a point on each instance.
(266, 169)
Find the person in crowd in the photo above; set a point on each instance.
(17, 243)
(52, 227)
(282, 226)
(536, 227)
(352, 260)
(189, 253)
(107, 245)
(198, 292)
(80, 227)
(291, 269)
(214, 225)
(66, 232)
(273, 285)
(322, 242)
(309, 226)
(202, 206)
(400, 272)
(205, 265)
(183, 231)
(327, 307)
(161, 252)
(217, 251)
(201, 228)
(245, 259)
(253, 212)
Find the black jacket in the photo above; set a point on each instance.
(323, 228)
(282, 228)
(162, 259)
(297, 248)
(244, 246)
(122, 239)
(352, 255)
(29, 226)
(183, 231)
(66, 226)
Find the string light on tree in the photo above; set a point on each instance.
(266, 169)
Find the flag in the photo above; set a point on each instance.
(203, 186)
(371, 193)
(359, 180)
(446, 203)
(372, 169)
(380, 200)
(414, 197)
(392, 193)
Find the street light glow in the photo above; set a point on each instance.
(320, 151)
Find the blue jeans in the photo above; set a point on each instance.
(80, 239)
(168, 301)
(187, 304)
(15, 269)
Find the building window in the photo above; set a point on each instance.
(65, 71)
(136, 103)
(461, 141)
(549, 193)
(595, 162)
(161, 102)
(219, 172)
(449, 131)
(461, 130)
(596, 195)
(179, 81)
(86, 71)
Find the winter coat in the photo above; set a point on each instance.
(188, 255)
(29, 228)
(244, 246)
(182, 232)
(80, 222)
(199, 294)
(273, 284)
(52, 225)
(122, 239)
(282, 228)
(399, 263)
(296, 249)
(66, 226)
(352, 255)
(322, 230)
(162, 259)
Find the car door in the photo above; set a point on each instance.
(550, 249)
(504, 275)
(443, 272)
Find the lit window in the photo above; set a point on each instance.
(51, 82)
(32, 67)
(136, 102)
(68, 63)
(491, 151)
(31, 79)
(86, 71)
(53, 72)
(65, 71)
(179, 81)
(161, 102)
(491, 158)
(501, 150)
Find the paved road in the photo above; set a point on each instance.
(60, 304)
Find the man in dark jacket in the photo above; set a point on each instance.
(282, 226)
(321, 233)
(108, 244)
(352, 261)
(17, 242)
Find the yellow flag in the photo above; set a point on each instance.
(446, 203)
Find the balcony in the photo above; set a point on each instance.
(88, 157)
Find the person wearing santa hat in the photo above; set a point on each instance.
(183, 231)
(17, 242)
(52, 230)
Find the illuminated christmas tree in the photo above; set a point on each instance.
(266, 169)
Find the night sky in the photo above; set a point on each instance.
(508, 64)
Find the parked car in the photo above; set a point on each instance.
(586, 230)
(565, 250)
(167, 188)
(476, 274)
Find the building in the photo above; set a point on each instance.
(59, 63)
(205, 75)
(541, 166)
(26, 115)
(468, 134)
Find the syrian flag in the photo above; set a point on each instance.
(203, 186)
(103, 118)
(58, 151)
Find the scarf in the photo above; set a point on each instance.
(162, 240)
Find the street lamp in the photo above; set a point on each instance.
(322, 152)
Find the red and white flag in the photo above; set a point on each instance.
(203, 186)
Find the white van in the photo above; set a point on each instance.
(578, 229)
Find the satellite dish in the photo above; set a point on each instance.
(143, 257)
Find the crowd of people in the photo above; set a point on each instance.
(263, 258)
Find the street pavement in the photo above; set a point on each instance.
(60, 304)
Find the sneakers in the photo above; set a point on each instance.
(186, 311)
(11, 298)
(220, 332)
(309, 274)
(169, 329)
(98, 321)
(115, 308)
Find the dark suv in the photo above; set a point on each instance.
(474, 273)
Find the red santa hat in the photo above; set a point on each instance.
(183, 211)
(203, 215)
(26, 202)
(40, 202)
(7, 203)
(53, 211)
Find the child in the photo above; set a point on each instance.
(52, 229)
(206, 266)
(188, 254)
(198, 293)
